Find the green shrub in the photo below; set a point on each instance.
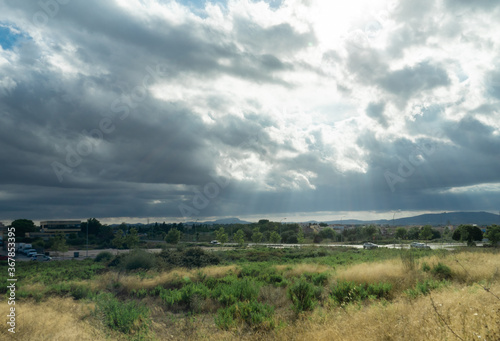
(236, 291)
(137, 259)
(424, 287)
(346, 292)
(441, 271)
(426, 267)
(103, 256)
(319, 279)
(126, 317)
(255, 314)
(302, 294)
(196, 258)
(80, 292)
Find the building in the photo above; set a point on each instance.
(50, 228)
(63, 226)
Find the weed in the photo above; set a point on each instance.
(441, 271)
(302, 294)
(104, 256)
(255, 314)
(126, 317)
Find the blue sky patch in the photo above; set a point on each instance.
(8, 37)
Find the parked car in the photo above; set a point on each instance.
(214, 242)
(41, 258)
(419, 246)
(369, 246)
(31, 253)
(28, 251)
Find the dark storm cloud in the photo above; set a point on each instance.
(80, 82)
(409, 80)
(376, 111)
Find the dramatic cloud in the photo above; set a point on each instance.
(186, 110)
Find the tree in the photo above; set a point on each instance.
(370, 231)
(317, 238)
(22, 226)
(59, 244)
(263, 221)
(426, 232)
(119, 239)
(468, 233)
(401, 233)
(105, 233)
(221, 235)
(131, 239)
(93, 225)
(257, 235)
(300, 236)
(173, 236)
(327, 233)
(239, 237)
(413, 232)
(493, 234)
(274, 237)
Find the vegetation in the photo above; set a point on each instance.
(468, 233)
(262, 293)
(493, 234)
(173, 236)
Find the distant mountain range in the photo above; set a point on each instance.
(434, 219)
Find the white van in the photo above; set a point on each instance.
(41, 258)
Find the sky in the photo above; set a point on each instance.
(301, 109)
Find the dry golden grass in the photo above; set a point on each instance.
(469, 311)
(296, 270)
(469, 266)
(55, 319)
(133, 282)
(391, 271)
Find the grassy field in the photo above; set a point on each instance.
(261, 294)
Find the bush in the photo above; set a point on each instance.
(238, 290)
(426, 267)
(137, 259)
(346, 292)
(256, 315)
(423, 288)
(302, 295)
(80, 292)
(103, 256)
(196, 258)
(441, 271)
(126, 317)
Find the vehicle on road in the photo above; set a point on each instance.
(31, 253)
(215, 242)
(27, 251)
(416, 245)
(369, 246)
(40, 258)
